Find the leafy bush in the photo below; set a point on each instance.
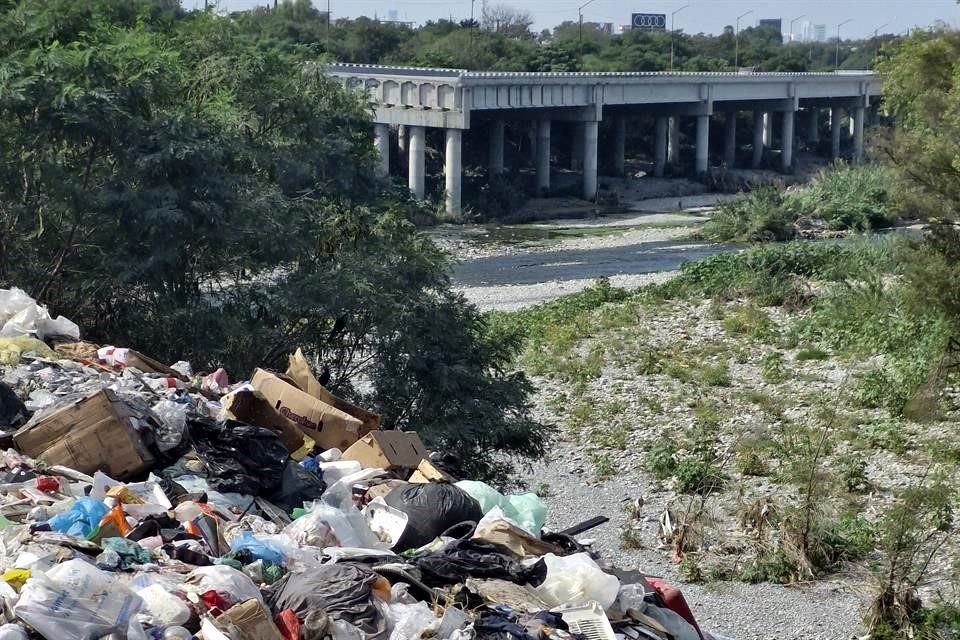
(761, 216)
(772, 367)
(752, 458)
(698, 476)
(852, 472)
(661, 459)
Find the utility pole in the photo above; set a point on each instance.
(329, 20)
(876, 32)
(580, 20)
(736, 54)
(791, 25)
(836, 62)
(673, 31)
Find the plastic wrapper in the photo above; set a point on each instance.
(412, 621)
(225, 580)
(162, 608)
(576, 580)
(77, 601)
(173, 419)
(327, 526)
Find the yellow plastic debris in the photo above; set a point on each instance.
(12, 348)
(16, 577)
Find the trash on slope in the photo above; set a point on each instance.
(146, 501)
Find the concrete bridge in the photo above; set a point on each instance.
(412, 99)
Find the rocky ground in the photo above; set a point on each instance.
(659, 377)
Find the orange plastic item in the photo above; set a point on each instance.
(118, 519)
(288, 624)
(381, 589)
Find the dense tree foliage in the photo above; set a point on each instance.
(501, 40)
(179, 182)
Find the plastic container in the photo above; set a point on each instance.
(589, 621)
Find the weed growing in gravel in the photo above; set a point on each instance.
(770, 404)
(811, 354)
(603, 465)
(749, 320)
(614, 436)
(690, 571)
(661, 458)
(631, 537)
(698, 476)
(770, 567)
(543, 490)
(887, 434)
(851, 469)
(772, 367)
(706, 415)
(716, 375)
(753, 457)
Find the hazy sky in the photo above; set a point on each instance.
(707, 16)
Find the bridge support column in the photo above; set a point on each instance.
(591, 134)
(836, 113)
(417, 146)
(576, 147)
(767, 129)
(703, 144)
(620, 146)
(813, 128)
(453, 172)
(757, 159)
(402, 138)
(660, 146)
(496, 147)
(730, 139)
(381, 139)
(858, 115)
(543, 155)
(786, 154)
(673, 148)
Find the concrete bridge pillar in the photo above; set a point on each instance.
(453, 172)
(402, 138)
(813, 128)
(620, 146)
(730, 139)
(757, 159)
(858, 115)
(786, 155)
(576, 147)
(836, 114)
(767, 129)
(417, 169)
(496, 147)
(673, 148)
(660, 146)
(543, 155)
(381, 139)
(703, 144)
(591, 134)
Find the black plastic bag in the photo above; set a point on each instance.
(343, 590)
(432, 509)
(13, 413)
(239, 458)
(296, 487)
(462, 559)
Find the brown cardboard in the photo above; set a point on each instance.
(299, 371)
(90, 434)
(250, 621)
(326, 425)
(253, 408)
(388, 450)
(426, 472)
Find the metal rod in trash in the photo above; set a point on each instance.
(585, 526)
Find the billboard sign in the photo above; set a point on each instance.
(649, 21)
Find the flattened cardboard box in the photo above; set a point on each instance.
(299, 371)
(324, 424)
(388, 450)
(90, 434)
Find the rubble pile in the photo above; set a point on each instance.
(139, 500)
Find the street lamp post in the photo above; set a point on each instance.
(876, 32)
(673, 31)
(580, 20)
(791, 25)
(736, 46)
(836, 62)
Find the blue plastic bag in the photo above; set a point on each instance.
(82, 518)
(259, 549)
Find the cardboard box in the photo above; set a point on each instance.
(299, 371)
(324, 424)
(94, 433)
(388, 450)
(249, 406)
(426, 472)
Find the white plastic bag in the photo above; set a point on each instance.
(161, 608)
(576, 580)
(13, 632)
(327, 526)
(20, 315)
(411, 621)
(226, 580)
(76, 601)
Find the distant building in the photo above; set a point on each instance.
(773, 24)
(393, 15)
(605, 27)
(820, 32)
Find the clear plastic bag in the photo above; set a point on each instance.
(411, 621)
(576, 580)
(173, 418)
(325, 525)
(77, 601)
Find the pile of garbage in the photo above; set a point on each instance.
(139, 500)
